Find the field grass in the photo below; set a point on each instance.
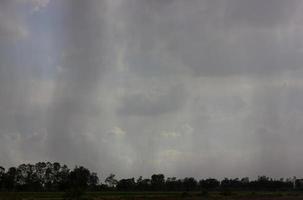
(156, 195)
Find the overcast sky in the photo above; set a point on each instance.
(203, 88)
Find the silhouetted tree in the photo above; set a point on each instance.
(79, 178)
(299, 184)
(172, 184)
(27, 178)
(93, 181)
(10, 179)
(143, 184)
(111, 181)
(40, 168)
(209, 184)
(2, 177)
(126, 184)
(189, 184)
(47, 176)
(157, 182)
(63, 175)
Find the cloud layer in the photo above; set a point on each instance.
(186, 88)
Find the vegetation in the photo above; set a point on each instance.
(55, 177)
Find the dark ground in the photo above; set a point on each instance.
(156, 195)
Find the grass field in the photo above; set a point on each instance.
(155, 195)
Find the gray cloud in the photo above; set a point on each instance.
(272, 13)
(187, 88)
(214, 38)
(153, 102)
(12, 26)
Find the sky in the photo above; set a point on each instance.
(202, 88)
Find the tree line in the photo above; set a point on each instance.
(47, 176)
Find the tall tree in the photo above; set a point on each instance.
(189, 184)
(157, 182)
(79, 178)
(10, 179)
(2, 177)
(111, 181)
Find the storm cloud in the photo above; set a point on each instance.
(204, 88)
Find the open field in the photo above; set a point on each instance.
(156, 195)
